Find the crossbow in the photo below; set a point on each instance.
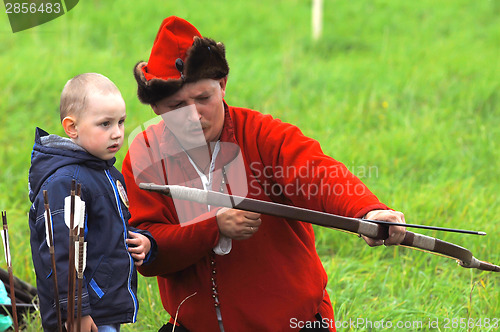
(370, 228)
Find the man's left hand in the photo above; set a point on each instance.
(396, 233)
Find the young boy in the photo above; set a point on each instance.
(92, 113)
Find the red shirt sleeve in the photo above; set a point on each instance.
(293, 169)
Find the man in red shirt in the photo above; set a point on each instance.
(222, 269)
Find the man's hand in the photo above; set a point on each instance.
(238, 224)
(139, 246)
(396, 233)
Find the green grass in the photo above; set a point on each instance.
(409, 88)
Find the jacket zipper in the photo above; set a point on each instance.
(131, 261)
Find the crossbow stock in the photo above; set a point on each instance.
(353, 225)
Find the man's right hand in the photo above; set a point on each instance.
(238, 224)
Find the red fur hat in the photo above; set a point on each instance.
(179, 55)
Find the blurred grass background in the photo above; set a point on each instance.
(406, 94)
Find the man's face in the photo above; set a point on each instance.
(100, 127)
(195, 114)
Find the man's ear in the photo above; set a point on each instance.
(223, 83)
(155, 109)
(69, 125)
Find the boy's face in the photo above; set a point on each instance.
(100, 127)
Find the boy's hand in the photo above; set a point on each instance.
(87, 325)
(139, 246)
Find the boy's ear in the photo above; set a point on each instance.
(69, 125)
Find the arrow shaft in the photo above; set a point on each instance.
(81, 257)
(435, 228)
(80, 261)
(71, 270)
(53, 260)
(297, 213)
(11, 274)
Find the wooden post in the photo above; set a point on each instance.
(317, 19)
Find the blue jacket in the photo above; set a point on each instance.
(110, 278)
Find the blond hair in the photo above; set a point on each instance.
(78, 90)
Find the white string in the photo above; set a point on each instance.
(177, 313)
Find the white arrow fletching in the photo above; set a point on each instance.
(47, 228)
(67, 211)
(77, 258)
(81, 221)
(84, 256)
(6, 246)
